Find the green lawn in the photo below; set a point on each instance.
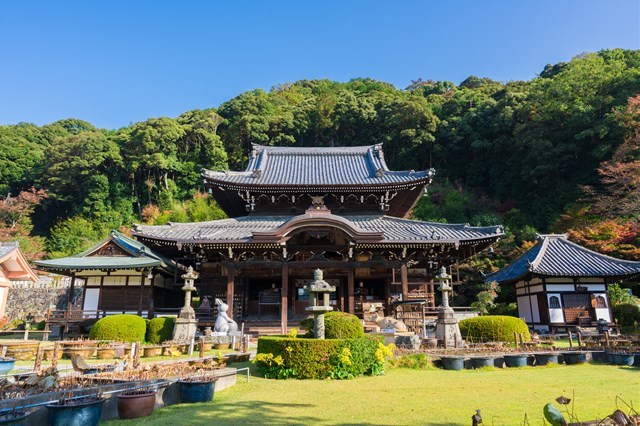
(406, 397)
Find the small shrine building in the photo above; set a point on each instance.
(561, 284)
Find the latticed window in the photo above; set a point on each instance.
(554, 302)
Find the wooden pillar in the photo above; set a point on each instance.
(351, 290)
(405, 281)
(72, 287)
(387, 296)
(231, 275)
(152, 303)
(141, 294)
(284, 298)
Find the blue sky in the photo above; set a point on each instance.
(116, 62)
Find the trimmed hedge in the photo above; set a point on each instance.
(122, 328)
(493, 328)
(318, 359)
(626, 313)
(337, 325)
(160, 329)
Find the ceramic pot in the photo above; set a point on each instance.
(151, 351)
(17, 418)
(621, 358)
(516, 360)
(546, 358)
(574, 358)
(481, 361)
(191, 392)
(452, 362)
(136, 405)
(6, 365)
(76, 413)
(106, 353)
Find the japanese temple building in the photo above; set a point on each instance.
(559, 283)
(297, 209)
(119, 275)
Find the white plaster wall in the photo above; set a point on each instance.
(535, 309)
(524, 310)
(4, 293)
(560, 287)
(91, 299)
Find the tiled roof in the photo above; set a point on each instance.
(240, 229)
(6, 248)
(140, 257)
(556, 256)
(363, 165)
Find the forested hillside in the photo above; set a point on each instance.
(559, 153)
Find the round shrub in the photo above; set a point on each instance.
(122, 328)
(627, 314)
(493, 328)
(160, 329)
(337, 325)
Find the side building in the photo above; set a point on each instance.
(561, 284)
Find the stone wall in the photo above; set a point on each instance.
(49, 292)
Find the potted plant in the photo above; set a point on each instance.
(136, 403)
(85, 410)
(222, 342)
(197, 389)
(479, 361)
(22, 351)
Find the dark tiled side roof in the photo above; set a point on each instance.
(555, 255)
(317, 167)
(240, 229)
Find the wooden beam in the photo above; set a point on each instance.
(405, 281)
(351, 290)
(284, 298)
(231, 275)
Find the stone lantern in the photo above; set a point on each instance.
(447, 329)
(319, 291)
(186, 324)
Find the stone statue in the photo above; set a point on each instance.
(224, 323)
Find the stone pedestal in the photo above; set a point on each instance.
(185, 326)
(447, 329)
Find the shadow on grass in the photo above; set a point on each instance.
(230, 413)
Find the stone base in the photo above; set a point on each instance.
(184, 329)
(447, 329)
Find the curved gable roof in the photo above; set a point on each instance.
(335, 166)
(556, 256)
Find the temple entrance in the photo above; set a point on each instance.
(263, 298)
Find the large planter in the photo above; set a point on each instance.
(452, 362)
(6, 365)
(48, 354)
(81, 412)
(151, 351)
(134, 405)
(106, 353)
(482, 361)
(222, 345)
(574, 358)
(546, 358)
(14, 418)
(516, 360)
(193, 391)
(617, 358)
(85, 350)
(22, 351)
